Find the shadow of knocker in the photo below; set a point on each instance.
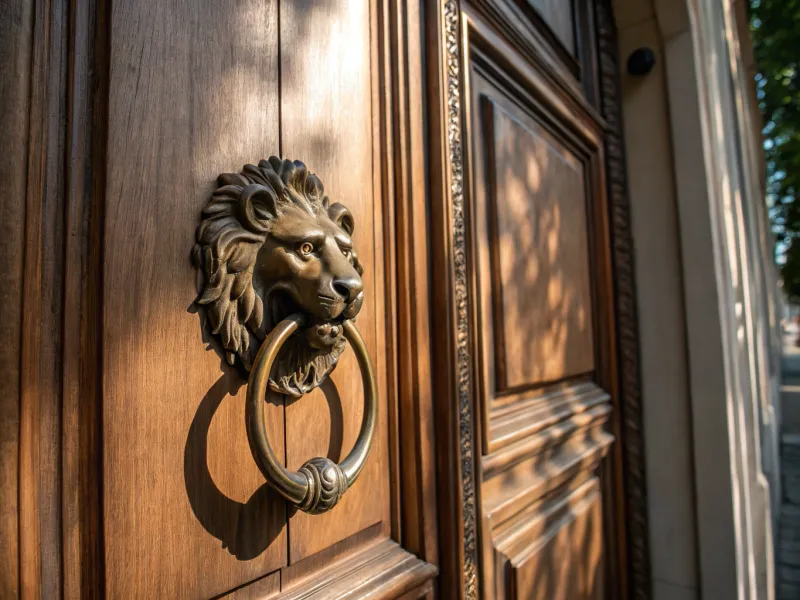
(245, 529)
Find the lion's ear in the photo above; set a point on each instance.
(258, 205)
(340, 215)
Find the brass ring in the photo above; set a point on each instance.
(320, 483)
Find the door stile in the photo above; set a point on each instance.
(413, 318)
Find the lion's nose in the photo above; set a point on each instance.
(348, 288)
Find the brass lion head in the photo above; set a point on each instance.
(270, 245)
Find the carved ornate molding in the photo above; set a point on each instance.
(626, 309)
(464, 364)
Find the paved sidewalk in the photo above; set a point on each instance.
(788, 568)
(788, 560)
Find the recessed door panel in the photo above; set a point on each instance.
(558, 14)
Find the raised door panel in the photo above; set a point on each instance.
(557, 553)
(541, 293)
(192, 94)
(536, 165)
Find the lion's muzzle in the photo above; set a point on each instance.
(352, 309)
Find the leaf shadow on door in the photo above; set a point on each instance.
(245, 529)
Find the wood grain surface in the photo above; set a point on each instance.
(326, 120)
(546, 379)
(193, 93)
(540, 254)
(123, 452)
(16, 30)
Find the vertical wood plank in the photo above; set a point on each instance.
(193, 93)
(81, 425)
(40, 360)
(16, 29)
(326, 121)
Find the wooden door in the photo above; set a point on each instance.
(476, 145)
(531, 344)
(198, 89)
(136, 477)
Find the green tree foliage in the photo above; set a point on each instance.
(775, 26)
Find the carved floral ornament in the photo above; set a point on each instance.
(281, 287)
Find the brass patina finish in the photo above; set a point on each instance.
(320, 483)
(271, 245)
(281, 278)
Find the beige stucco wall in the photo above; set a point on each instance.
(706, 298)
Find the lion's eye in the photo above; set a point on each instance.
(306, 248)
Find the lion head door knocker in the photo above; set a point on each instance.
(281, 288)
